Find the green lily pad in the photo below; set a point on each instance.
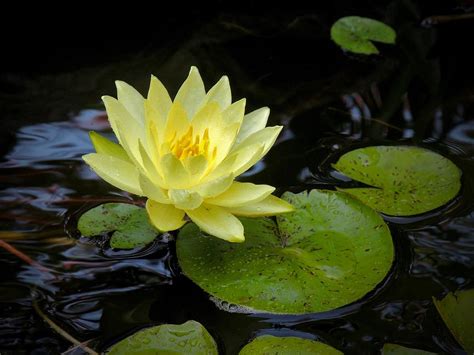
(187, 338)
(129, 224)
(355, 34)
(328, 253)
(270, 345)
(406, 180)
(394, 349)
(457, 311)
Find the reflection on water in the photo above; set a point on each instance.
(39, 145)
(89, 289)
(445, 253)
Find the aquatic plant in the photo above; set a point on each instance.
(184, 155)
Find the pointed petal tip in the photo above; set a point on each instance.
(283, 205)
(193, 69)
(237, 239)
(87, 157)
(277, 129)
(154, 78)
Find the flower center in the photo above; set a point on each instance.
(190, 145)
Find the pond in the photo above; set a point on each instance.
(419, 92)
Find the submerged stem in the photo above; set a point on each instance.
(62, 332)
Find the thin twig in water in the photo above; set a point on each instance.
(62, 332)
(386, 124)
(75, 347)
(370, 119)
(11, 249)
(436, 20)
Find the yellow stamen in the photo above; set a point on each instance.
(189, 145)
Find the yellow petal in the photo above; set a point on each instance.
(214, 187)
(125, 128)
(150, 170)
(218, 222)
(191, 94)
(185, 199)
(253, 122)
(132, 100)
(220, 93)
(153, 191)
(158, 97)
(208, 117)
(177, 122)
(235, 112)
(240, 194)
(224, 132)
(269, 206)
(165, 217)
(266, 136)
(174, 173)
(195, 165)
(103, 146)
(115, 171)
(241, 159)
(155, 125)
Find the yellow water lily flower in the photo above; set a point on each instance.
(184, 155)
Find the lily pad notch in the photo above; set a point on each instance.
(128, 223)
(402, 180)
(330, 252)
(355, 34)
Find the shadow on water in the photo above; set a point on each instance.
(328, 101)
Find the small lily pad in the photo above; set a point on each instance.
(404, 180)
(270, 345)
(187, 338)
(328, 253)
(129, 224)
(355, 34)
(394, 349)
(457, 311)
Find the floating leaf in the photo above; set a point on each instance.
(406, 180)
(457, 311)
(129, 224)
(330, 252)
(270, 345)
(187, 338)
(355, 34)
(394, 349)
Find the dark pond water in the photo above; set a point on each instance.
(419, 92)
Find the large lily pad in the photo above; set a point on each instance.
(355, 34)
(457, 311)
(328, 253)
(129, 224)
(394, 349)
(405, 180)
(187, 338)
(270, 345)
